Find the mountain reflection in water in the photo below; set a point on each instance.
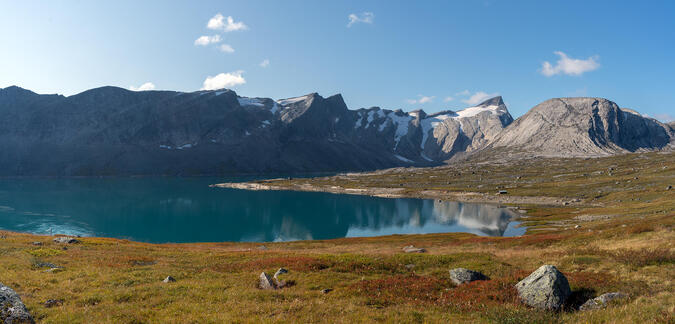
(187, 210)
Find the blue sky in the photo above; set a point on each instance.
(432, 55)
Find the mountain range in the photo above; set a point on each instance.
(114, 131)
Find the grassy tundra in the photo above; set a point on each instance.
(624, 242)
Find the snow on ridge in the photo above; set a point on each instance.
(473, 111)
(403, 159)
(244, 101)
(285, 102)
(424, 156)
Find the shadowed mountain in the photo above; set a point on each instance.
(114, 131)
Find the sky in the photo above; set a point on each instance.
(431, 55)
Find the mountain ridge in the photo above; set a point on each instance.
(115, 131)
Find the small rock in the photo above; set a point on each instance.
(169, 279)
(66, 240)
(265, 282)
(577, 226)
(262, 248)
(12, 309)
(54, 270)
(413, 249)
(503, 192)
(325, 291)
(409, 266)
(669, 187)
(601, 301)
(461, 276)
(53, 303)
(280, 272)
(37, 243)
(45, 265)
(545, 288)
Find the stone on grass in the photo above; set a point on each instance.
(66, 240)
(279, 272)
(265, 282)
(461, 276)
(413, 249)
(169, 279)
(12, 309)
(53, 303)
(409, 266)
(325, 291)
(601, 301)
(37, 243)
(545, 288)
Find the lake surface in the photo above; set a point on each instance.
(163, 210)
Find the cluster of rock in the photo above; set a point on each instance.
(271, 283)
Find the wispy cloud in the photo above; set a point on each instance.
(569, 66)
(226, 48)
(226, 24)
(422, 100)
(364, 17)
(206, 40)
(224, 80)
(144, 87)
(479, 97)
(448, 99)
(463, 93)
(265, 63)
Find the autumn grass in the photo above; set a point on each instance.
(624, 243)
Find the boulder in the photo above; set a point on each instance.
(325, 291)
(66, 240)
(279, 272)
(12, 309)
(545, 288)
(461, 276)
(265, 282)
(169, 279)
(413, 249)
(601, 301)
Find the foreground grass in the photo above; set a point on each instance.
(625, 243)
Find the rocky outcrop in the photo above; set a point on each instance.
(461, 276)
(545, 288)
(12, 309)
(66, 240)
(582, 127)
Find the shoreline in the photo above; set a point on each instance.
(380, 192)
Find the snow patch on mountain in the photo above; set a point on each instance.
(289, 101)
(243, 101)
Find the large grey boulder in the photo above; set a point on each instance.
(545, 288)
(461, 276)
(12, 309)
(601, 301)
(265, 282)
(66, 240)
(413, 249)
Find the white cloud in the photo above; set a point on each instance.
(225, 48)
(226, 24)
(569, 66)
(463, 93)
(479, 97)
(265, 63)
(144, 87)
(206, 40)
(364, 17)
(448, 99)
(224, 80)
(421, 100)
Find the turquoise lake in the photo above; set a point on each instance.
(161, 210)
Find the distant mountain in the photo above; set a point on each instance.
(113, 131)
(583, 127)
